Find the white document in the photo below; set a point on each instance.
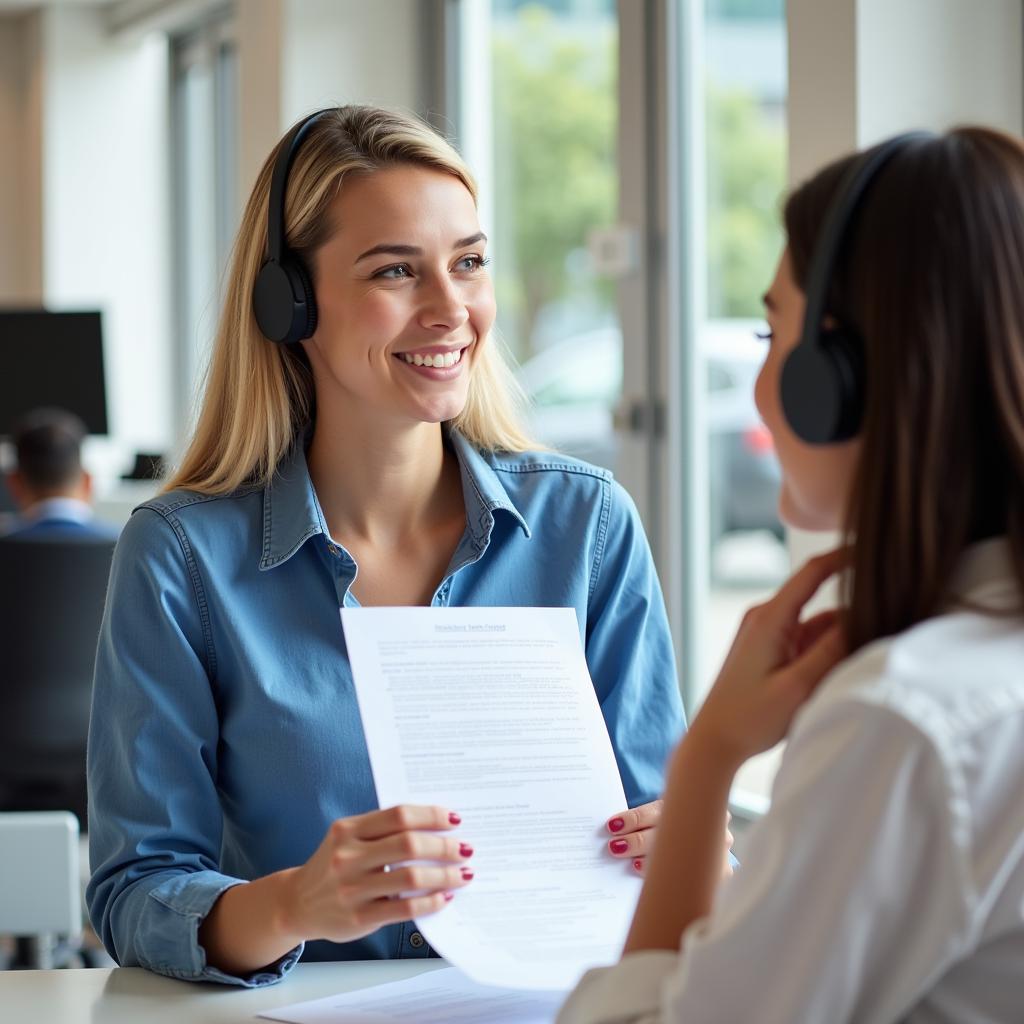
(491, 712)
(437, 997)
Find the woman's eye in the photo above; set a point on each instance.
(471, 263)
(395, 273)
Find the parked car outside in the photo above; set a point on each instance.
(575, 385)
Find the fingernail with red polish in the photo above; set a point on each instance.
(638, 864)
(465, 850)
(618, 846)
(616, 825)
(454, 819)
(449, 896)
(466, 874)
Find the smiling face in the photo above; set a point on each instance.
(816, 479)
(403, 298)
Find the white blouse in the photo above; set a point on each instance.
(886, 882)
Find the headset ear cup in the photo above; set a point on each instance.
(304, 289)
(824, 381)
(845, 348)
(283, 302)
(273, 301)
(822, 388)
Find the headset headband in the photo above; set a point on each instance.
(279, 182)
(823, 380)
(851, 191)
(283, 299)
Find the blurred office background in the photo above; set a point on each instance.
(632, 157)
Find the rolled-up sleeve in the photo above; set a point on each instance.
(155, 820)
(628, 993)
(629, 650)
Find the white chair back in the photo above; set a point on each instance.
(40, 889)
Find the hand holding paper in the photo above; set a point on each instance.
(491, 711)
(341, 893)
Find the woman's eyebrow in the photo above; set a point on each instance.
(397, 249)
(470, 240)
(391, 249)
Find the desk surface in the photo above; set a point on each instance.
(130, 995)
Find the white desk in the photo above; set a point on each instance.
(130, 995)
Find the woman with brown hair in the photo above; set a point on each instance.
(886, 882)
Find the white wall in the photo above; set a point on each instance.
(106, 237)
(298, 55)
(350, 51)
(860, 70)
(821, 104)
(937, 63)
(258, 31)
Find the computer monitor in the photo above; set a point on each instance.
(52, 359)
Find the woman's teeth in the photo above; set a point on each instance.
(448, 359)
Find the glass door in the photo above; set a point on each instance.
(737, 137)
(538, 120)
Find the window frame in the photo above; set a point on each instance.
(210, 43)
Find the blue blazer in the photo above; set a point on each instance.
(59, 528)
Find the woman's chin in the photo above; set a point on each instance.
(439, 412)
(800, 515)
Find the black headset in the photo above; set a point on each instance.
(823, 378)
(283, 300)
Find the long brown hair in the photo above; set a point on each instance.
(932, 277)
(259, 397)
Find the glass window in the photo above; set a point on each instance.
(205, 192)
(548, 135)
(540, 85)
(744, 44)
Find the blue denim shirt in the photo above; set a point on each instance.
(225, 735)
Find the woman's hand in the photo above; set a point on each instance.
(350, 886)
(634, 832)
(774, 665)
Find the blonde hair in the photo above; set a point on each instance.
(259, 396)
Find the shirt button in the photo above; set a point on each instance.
(333, 550)
(416, 940)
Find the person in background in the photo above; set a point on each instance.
(886, 881)
(368, 454)
(52, 490)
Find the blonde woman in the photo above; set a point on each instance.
(358, 443)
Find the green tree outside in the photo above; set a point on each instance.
(555, 168)
(746, 174)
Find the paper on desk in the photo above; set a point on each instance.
(492, 713)
(437, 997)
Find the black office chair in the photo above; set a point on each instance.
(51, 604)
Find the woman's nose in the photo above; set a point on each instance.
(443, 308)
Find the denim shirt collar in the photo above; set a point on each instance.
(292, 512)
(483, 491)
